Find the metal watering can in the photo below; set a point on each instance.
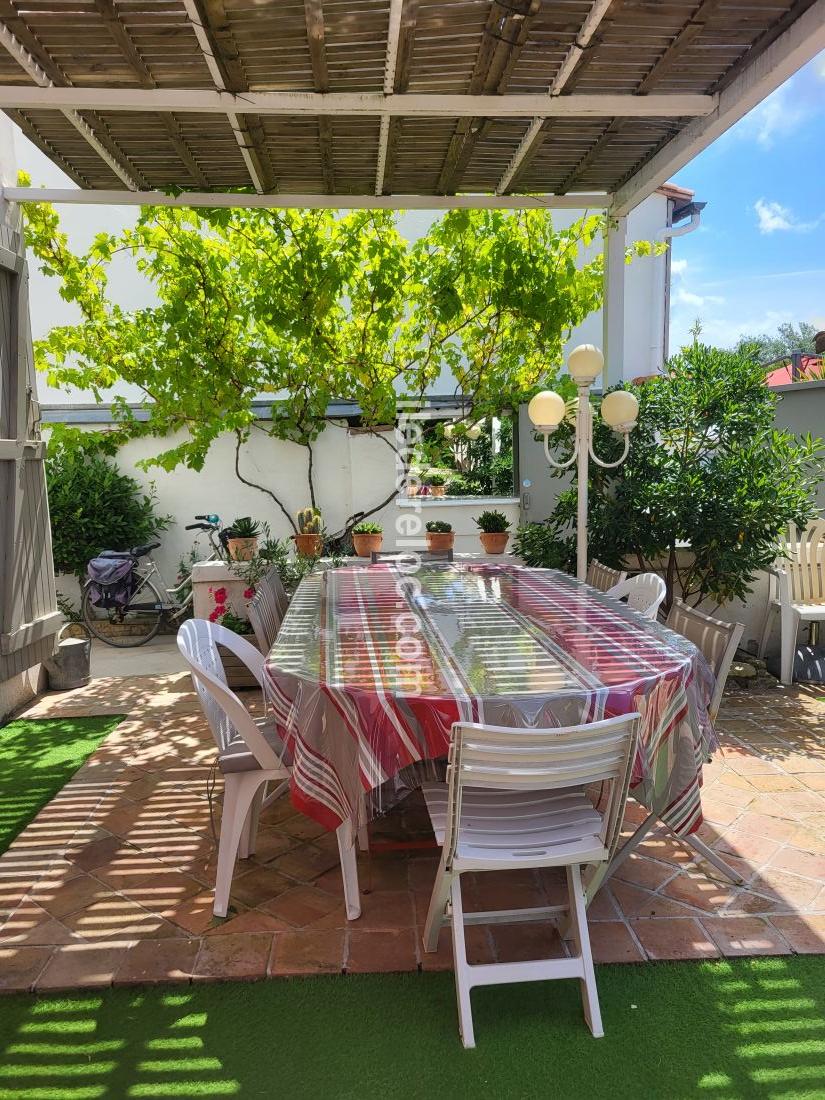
(69, 666)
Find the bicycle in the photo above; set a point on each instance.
(143, 612)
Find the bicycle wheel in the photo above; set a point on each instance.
(135, 625)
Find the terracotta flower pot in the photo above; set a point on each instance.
(364, 544)
(494, 542)
(309, 546)
(412, 490)
(242, 549)
(440, 540)
(438, 490)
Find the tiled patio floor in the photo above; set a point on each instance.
(112, 881)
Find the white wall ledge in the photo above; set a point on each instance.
(452, 502)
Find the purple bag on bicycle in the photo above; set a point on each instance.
(111, 581)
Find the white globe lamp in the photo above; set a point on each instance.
(546, 410)
(620, 410)
(585, 364)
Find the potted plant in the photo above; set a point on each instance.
(366, 538)
(437, 484)
(440, 535)
(494, 528)
(242, 538)
(309, 541)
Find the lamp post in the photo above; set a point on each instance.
(619, 411)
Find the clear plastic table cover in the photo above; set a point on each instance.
(373, 665)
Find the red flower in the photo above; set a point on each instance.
(216, 614)
(220, 595)
(248, 593)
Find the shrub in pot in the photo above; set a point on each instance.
(440, 535)
(437, 484)
(242, 538)
(309, 541)
(367, 538)
(494, 531)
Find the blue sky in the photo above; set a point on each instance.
(758, 258)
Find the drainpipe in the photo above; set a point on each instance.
(659, 348)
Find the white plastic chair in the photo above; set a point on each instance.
(800, 596)
(645, 593)
(250, 752)
(717, 641)
(272, 581)
(603, 577)
(265, 617)
(515, 798)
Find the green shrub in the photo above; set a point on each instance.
(93, 506)
(492, 522)
(368, 528)
(439, 527)
(541, 546)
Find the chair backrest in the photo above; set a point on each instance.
(265, 617)
(228, 718)
(805, 563)
(423, 555)
(272, 581)
(716, 641)
(509, 758)
(644, 593)
(603, 577)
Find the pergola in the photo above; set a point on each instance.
(400, 103)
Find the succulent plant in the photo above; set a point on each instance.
(439, 526)
(368, 528)
(245, 528)
(309, 521)
(493, 522)
(436, 479)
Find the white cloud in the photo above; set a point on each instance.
(678, 267)
(682, 295)
(773, 217)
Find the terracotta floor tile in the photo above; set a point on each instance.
(30, 924)
(117, 918)
(68, 897)
(155, 961)
(193, 915)
(308, 952)
(798, 862)
(700, 891)
(809, 840)
(303, 906)
(270, 844)
(306, 862)
(806, 935)
(387, 909)
(259, 885)
(640, 871)
(233, 957)
(611, 942)
(745, 936)
(376, 950)
(21, 966)
(524, 942)
(251, 920)
(81, 966)
(795, 891)
(674, 939)
(634, 902)
(97, 852)
(739, 842)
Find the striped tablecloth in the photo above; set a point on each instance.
(372, 666)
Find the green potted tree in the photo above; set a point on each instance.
(438, 484)
(242, 538)
(367, 537)
(440, 535)
(494, 531)
(309, 541)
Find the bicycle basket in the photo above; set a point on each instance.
(111, 582)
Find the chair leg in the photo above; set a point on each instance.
(590, 994)
(766, 630)
(437, 909)
(249, 835)
(349, 871)
(790, 626)
(708, 853)
(462, 976)
(239, 792)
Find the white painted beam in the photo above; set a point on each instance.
(589, 27)
(801, 42)
(393, 38)
(613, 305)
(75, 197)
(209, 101)
(25, 60)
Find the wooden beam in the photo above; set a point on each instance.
(534, 134)
(400, 82)
(48, 76)
(770, 67)
(360, 104)
(316, 37)
(596, 200)
(208, 18)
(505, 34)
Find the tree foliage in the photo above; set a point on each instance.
(787, 338)
(307, 307)
(709, 484)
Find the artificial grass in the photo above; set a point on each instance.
(37, 758)
(735, 1030)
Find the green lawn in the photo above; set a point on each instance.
(37, 759)
(721, 1031)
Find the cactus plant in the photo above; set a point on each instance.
(309, 521)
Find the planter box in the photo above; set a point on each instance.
(207, 576)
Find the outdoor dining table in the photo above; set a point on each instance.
(374, 664)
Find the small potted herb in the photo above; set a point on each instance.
(440, 535)
(366, 538)
(437, 484)
(242, 538)
(309, 541)
(494, 528)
